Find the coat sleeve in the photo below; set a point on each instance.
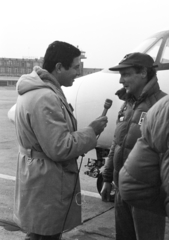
(144, 178)
(109, 168)
(157, 133)
(165, 179)
(53, 134)
(139, 179)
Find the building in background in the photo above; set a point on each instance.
(12, 68)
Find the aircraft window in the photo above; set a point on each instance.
(144, 45)
(165, 54)
(153, 51)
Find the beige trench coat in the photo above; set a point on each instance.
(44, 185)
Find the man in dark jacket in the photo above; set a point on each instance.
(140, 91)
(144, 178)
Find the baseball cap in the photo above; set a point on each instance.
(135, 59)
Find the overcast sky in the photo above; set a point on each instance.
(105, 29)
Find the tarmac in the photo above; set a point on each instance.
(98, 223)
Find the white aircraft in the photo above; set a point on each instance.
(88, 94)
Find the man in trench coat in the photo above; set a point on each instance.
(47, 192)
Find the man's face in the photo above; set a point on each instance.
(133, 82)
(68, 76)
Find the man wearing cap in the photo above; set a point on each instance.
(140, 92)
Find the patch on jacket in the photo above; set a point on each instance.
(121, 113)
(143, 114)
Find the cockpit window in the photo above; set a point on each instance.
(165, 54)
(144, 45)
(153, 51)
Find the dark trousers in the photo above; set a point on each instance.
(137, 224)
(33, 236)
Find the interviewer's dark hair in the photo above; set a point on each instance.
(60, 52)
(151, 72)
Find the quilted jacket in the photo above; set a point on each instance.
(127, 131)
(144, 179)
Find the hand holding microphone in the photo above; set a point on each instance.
(100, 123)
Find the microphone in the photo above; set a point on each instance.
(107, 105)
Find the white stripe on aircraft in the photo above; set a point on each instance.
(7, 177)
(90, 194)
(86, 193)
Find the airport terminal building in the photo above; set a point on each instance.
(12, 68)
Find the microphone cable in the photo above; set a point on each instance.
(107, 105)
(71, 200)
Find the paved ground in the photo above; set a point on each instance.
(98, 224)
(97, 216)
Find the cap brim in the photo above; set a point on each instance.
(119, 67)
(122, 66)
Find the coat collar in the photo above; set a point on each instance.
(52, 83)
(55, 86)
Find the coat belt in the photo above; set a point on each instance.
(30, 153)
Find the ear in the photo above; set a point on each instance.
(144, 73)
(58, 67)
